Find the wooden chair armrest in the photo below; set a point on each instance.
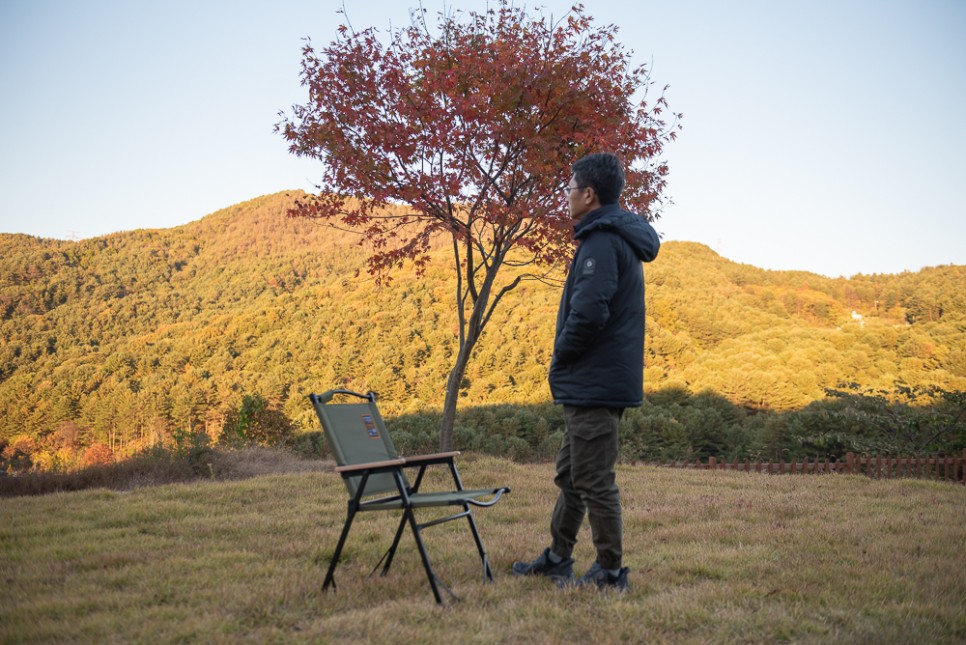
(438, 456)
(389, 464)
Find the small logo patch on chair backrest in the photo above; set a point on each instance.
(371, 428)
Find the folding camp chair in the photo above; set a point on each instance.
(370, 465)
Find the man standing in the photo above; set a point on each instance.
(596, 370)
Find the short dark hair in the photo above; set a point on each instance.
(601, 171)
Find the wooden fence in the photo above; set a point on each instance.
(948, 469)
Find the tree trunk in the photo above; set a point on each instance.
(473, 327)
(453, 393)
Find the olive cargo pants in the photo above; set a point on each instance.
(587, 483)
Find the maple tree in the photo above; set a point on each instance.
(466, 133)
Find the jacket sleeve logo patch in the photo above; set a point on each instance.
(588, 267)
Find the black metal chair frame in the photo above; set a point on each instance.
(407, 497)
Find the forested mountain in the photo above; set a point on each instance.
(130, 337)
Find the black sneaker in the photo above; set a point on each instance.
(542, 566)
(603, 579)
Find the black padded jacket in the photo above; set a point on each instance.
(598, 354)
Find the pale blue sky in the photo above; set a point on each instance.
(824, 136)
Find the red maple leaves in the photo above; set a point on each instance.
(472, 128)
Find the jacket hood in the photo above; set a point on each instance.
(634, 229)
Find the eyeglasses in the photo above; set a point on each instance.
(568, 189)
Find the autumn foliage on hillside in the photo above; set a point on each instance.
(130, 339)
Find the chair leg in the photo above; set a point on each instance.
(329, 577)
(425, 557)
(487, 572)
(388, 555)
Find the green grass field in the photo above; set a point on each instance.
(714, 557)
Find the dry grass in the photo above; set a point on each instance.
(715, 556)
(155, 468)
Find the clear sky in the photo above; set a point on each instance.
(821, 135)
